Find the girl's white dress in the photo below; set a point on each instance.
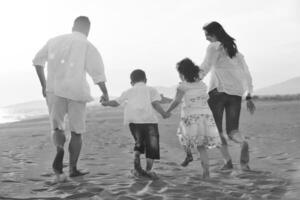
(197, 126)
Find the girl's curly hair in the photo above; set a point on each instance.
(188, 69)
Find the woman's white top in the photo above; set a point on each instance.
(229, 75)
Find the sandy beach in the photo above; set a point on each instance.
(27, 153)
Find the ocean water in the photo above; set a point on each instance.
(28, 110)
(18, 112)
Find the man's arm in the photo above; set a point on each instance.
(41, 74)
(103, 89)
(39, 62)
(95, 68)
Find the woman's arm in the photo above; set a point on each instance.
(209, 59)
(177, 100)
(250, 105)
(248, 76)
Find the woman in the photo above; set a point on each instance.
(230, 80)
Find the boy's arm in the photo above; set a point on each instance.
(112, 103)
(177, 100)
(156, 105)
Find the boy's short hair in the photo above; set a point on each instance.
(138, 75)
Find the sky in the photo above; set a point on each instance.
(149, 34)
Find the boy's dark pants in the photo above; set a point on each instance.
(146, 138)
(220, 101)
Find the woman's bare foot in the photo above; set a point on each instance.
(227, 166)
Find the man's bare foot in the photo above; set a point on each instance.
(245, 167)
(60, 178)
(227, 166)
(152, 175)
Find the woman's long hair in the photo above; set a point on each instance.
(216, 29)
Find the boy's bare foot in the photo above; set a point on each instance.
(75, 173)
(245, 167)
(186, 161)
(152, 175)
(139, 173)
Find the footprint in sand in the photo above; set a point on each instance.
(35, 179)
(123, 145)
(170, 163)
(263, 157)
(82, 195)
(40, 189)
(88, 158)
(279, 153)
(67, 186)
(9, 181)
(291, 170)
(48, 174)
(10, 177)
(37, 135)
(285, 158)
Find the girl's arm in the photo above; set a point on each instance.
(112, 103)
(156, 105)
(177, 100)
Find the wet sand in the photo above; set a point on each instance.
(26, 154)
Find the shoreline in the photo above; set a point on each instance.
(27, 153)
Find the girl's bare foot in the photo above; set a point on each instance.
(205, 173)
(205, 168)
(186, 161)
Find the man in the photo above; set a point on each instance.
(69, 57)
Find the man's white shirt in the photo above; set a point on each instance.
(69, 57)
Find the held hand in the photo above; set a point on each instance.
(104, 98)
(166, 115)
(104, 103)
(250, 106)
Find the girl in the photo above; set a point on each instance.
(197, 128)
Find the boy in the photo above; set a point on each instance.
(143, 123)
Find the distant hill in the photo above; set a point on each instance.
(291, 86)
